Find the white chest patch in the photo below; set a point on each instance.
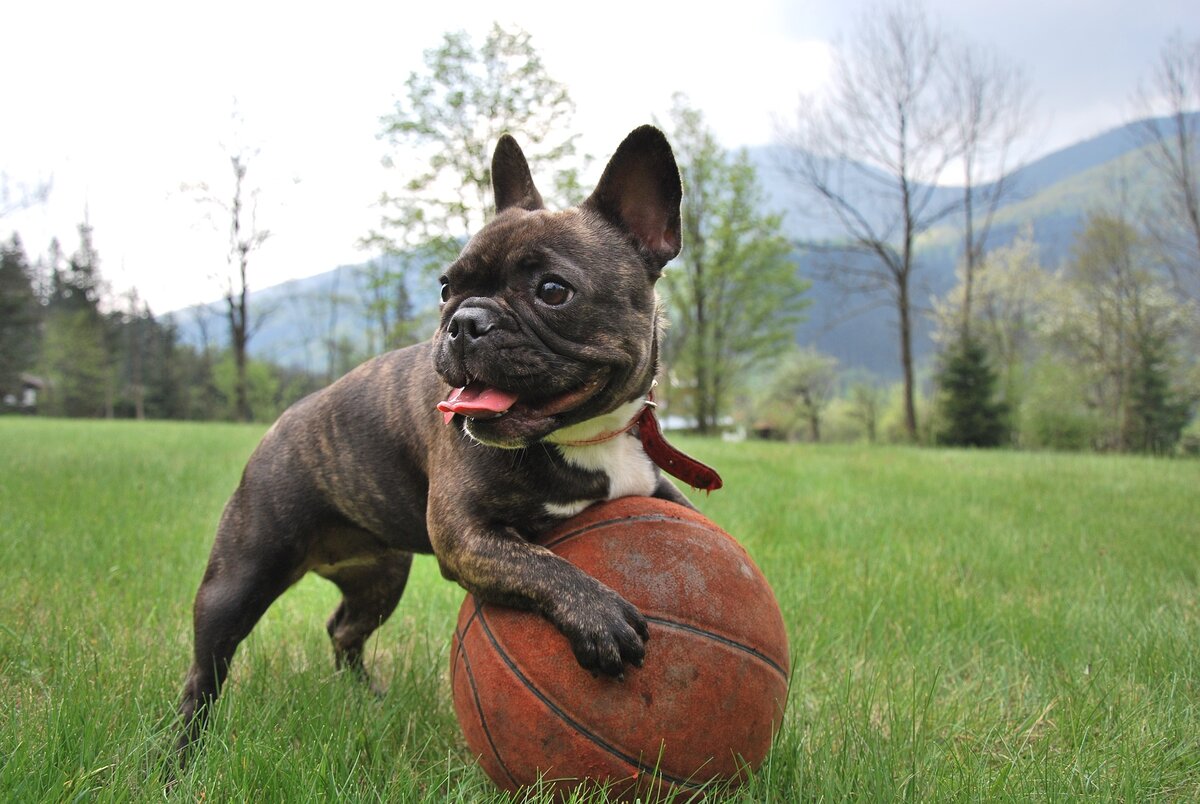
(622, 459)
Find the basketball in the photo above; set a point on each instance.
(706, 702)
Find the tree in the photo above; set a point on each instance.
(20, 314)
(443, 131)
(245, 238)
(17, 196)
(865, 405)
(163, 381)
(76, 356)
(1114, 319)
(872, 153)
(969, 413)
(804, 383)
(382, 284)
(1158, 410)
(1008, 291)
(988, 99)
(734, 292)
(1171, 145)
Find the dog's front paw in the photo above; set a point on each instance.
(606, 632)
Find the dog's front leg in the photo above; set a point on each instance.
(497, 565)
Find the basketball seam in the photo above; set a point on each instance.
(698, 526)
(724, 640)
(639, 518)
(570, 721)
(466, 627)
(478, 705)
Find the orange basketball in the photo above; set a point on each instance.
(705, 704)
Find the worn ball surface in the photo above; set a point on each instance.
(705, 704)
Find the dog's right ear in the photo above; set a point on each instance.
(512, 182)
(640, 192)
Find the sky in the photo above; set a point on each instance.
(125, 105)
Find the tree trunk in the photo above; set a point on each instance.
(969, 253)
(238, 339)
(906, 361)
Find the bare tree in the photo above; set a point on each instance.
(382, 293)
(1172, 147)
(989, 100)
(16, 196)
(871, 154)
(245, 238)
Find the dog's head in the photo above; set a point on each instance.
(549, 319)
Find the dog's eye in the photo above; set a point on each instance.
(554, 293)
(445, 291)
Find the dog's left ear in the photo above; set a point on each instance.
(640, 192)
(512, 183)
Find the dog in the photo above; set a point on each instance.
(530, 402)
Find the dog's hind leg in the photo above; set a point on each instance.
(238, 587)
(371, 588)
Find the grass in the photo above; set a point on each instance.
(963, 625)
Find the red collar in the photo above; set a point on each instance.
(666, 457)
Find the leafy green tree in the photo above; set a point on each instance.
(261, 388)
(803, 385)
(734, 292)
(969, 413)
(1056, 413)
(19, 317)
(442, 133)
(1118, 322)
(865, 405)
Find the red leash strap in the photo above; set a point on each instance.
(671, 460)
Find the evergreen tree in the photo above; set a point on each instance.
(969, 413)
(76, 355)
(1157, 412)
(19, 315)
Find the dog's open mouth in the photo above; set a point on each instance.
(482, 402)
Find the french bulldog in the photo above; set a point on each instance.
(530, 402)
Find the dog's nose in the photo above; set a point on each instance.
(469, 324)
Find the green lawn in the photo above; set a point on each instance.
(964, 625)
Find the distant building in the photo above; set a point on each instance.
(26, 400)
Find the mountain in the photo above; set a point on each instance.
(303, 323)
(301, 319)
(1052, 194)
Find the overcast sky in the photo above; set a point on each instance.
(121, 103)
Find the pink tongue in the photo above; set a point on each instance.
(476, 399)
